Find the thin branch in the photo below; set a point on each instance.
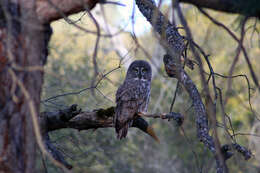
(249, 91)
(224, 115)
(210, 68)
(84, 89)
(175, 95)
(94, 57)
(232, 68)
(172, 115)
(252, 72)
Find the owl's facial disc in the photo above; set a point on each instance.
(139, 71)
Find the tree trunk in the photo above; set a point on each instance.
(22, 55)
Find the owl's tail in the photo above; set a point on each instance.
(121, 130)
(140, 123)
(150, 131)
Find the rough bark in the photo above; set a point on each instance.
(20, 72)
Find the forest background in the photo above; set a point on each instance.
(70, 69)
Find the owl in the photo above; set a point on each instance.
(132, 96)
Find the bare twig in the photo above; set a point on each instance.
(175, 95)
(224, 115)
(94, 57)
(250, 67)
(172, 115)
(82, 90)
(249, 91)
(232, 68)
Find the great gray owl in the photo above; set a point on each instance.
(132, 96)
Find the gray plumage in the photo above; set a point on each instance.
(132, 96)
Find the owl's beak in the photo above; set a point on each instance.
(140, 75)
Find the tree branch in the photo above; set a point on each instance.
(101, 118)
(47, 9)
(249, 8)
(47, 12)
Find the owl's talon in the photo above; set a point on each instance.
(141, 114)
(179, 118)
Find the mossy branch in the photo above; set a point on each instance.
(73, 117)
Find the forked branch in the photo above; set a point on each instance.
(100, 118)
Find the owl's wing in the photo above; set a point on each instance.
(127, 105)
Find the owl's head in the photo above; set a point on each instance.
(139, 69)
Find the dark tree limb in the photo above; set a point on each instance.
(101, 118)
(246, 153)
(249, 8)
(47, 9)
(47, 13)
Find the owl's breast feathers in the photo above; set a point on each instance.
(131, 97)
(132, 90)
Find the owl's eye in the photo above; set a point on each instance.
(144, 70)
(136, 70)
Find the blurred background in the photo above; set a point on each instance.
(126, 36)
